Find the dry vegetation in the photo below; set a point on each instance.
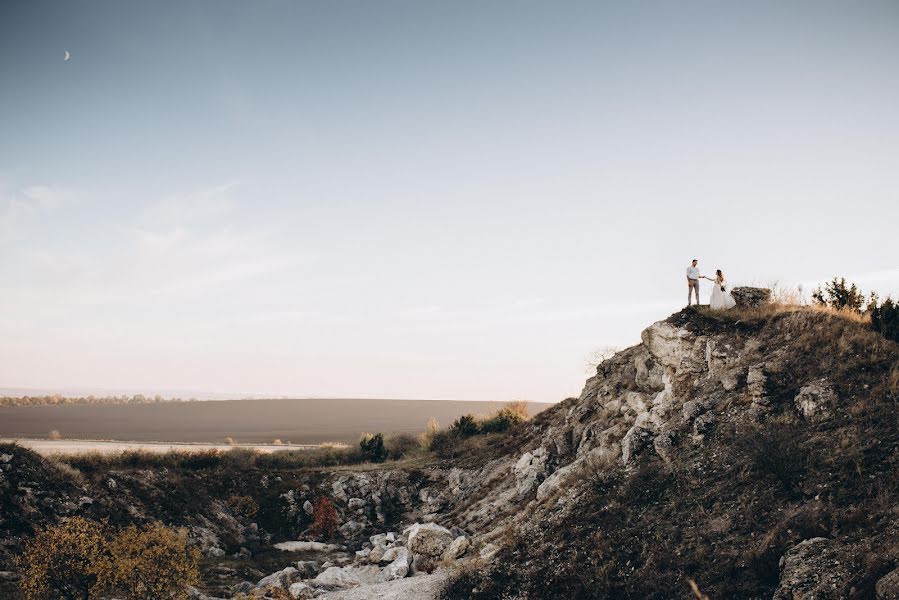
(80, 558)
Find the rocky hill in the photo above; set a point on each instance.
(752, 454)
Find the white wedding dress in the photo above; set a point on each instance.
(721, 300)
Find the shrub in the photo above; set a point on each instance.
(885, 319)
(150, 563)
(839, 295)
(401, 445)
(431, 429)
(78, 559)
(243, 505)
(466, 426)
(372, 447)
(61, 561)
(54, 435)
(501, 420)
(324, 519)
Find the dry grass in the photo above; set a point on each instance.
(66, 470)
(893, 379)
(696, 591)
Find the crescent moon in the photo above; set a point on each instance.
(67, 56)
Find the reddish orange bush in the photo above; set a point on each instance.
(324, 519)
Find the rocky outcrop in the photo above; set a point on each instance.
(816, 401)
(750, 297)
(887, 587)
(816, 569)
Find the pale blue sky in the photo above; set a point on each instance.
(421, 199)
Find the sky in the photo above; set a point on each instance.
(421, 199)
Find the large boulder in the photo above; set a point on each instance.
(887, 587)
(816, 401)
(301, 591)
(750, 297)
(530, 471)
(336, 578)
(815, 569)
(399, 566)
(282, 578)
(457, 548)
(428, 539)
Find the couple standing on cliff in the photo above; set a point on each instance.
(721, 298)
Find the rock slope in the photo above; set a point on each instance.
(750, 454)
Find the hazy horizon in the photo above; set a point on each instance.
(418, 199)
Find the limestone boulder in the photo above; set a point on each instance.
(428, 539)
(815, 569)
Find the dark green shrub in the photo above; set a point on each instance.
(372, 447)
(445, 443)
(466, 426)
(839, 295)
(885, 319)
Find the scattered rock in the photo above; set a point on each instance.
(488, 551)
(301, 591)
(635, 441)
(336, 578)
(282, 578)
(399, 566)
(814, 569)
(307, 569)
(299, 546)
(457, 548)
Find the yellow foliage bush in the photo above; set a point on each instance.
(61, 561)
(81, 559)
(150, 563)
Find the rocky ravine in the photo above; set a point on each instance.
(757, 457)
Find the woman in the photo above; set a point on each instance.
(721, 298)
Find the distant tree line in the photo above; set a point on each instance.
(60, 400)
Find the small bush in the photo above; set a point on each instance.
(445, 443)
(401, 445)
(506, 417)
(62, 561)
(54, 435)
(243, 505)
(150, 563)
(885, 319)
(372, 447)
(431, 429)
(324, 519)
(466, 426)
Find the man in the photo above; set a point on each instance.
(693, 281)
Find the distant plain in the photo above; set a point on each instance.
(291, 421)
